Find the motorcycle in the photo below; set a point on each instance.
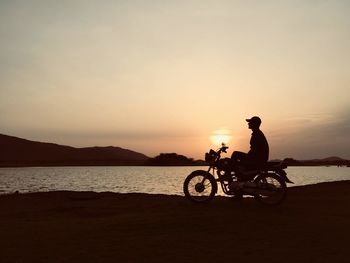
(268, 185)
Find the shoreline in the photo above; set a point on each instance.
(15, 193)
(65, 226)
(84, 192)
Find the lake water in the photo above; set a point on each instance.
(127, 179)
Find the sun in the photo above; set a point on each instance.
(221, 136)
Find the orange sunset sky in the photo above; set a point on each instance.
(166, 76)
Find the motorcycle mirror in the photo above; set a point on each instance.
(223, 144)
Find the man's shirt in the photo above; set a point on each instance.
(259, 148)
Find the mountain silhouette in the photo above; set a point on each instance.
(21, 152)
(333, 160)
(173, 159)
(329, 159)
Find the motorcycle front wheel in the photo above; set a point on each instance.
(200, 186)
(272, 189)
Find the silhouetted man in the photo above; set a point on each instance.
(259, 148)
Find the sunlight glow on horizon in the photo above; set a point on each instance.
(222, 136)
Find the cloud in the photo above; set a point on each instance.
(314, 137)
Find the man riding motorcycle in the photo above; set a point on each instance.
(259, 148)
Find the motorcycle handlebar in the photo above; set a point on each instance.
(224, 149)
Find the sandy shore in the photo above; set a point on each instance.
(311, 226)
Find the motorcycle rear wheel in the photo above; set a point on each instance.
(200, 186)
(273, 189)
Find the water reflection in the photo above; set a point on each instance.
(126, 179)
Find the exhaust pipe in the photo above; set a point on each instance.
(252, 188)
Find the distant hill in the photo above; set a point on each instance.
(20, 152)
(333, 160)
(329, 159)
(173, 159)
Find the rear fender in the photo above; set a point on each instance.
(283, 174)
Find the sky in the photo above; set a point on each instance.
(167, 76)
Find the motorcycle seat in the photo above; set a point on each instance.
(247, 171)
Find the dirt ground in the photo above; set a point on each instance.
(312, 225)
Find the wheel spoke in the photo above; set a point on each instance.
(271, 189)
(199, 187)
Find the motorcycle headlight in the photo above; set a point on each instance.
(210, 156)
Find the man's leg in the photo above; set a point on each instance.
(238, 159)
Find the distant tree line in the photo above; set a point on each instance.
(173, 159)
(317, 162)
